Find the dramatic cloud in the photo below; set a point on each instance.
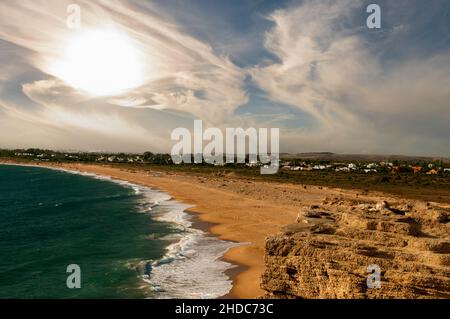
(333, 73)
(181, 72)
(310, 67)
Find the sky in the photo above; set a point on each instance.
(135, 70)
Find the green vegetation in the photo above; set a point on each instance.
(400, 177)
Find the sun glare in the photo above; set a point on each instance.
(101, 63)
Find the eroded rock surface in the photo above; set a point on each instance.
(327, 251)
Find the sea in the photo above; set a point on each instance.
(128, 241)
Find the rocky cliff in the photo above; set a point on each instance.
(335, 248)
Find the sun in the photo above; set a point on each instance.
(101, 63)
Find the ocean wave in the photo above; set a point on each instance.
(192, 266)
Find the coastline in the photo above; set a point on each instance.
(231, 218)
(195, 233)
(232, 209)
(231, 273)
(195, 218)
(216, 212)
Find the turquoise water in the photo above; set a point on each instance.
(50, 219)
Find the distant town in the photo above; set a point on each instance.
(430, 168)
(314, 163)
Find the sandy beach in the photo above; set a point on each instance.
(234, 208)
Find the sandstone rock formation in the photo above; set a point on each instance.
(327, 252)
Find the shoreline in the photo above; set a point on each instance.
(248, 257)
(204, 226)
(196, 224)
(195, 219)
(234, 209)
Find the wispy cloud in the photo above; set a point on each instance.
(181, 72)
(327, 81)
(333, 72)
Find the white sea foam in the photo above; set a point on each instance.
(192, 266)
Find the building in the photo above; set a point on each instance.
(417, 169)
(400, 169)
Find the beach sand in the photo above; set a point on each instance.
(233, 208)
